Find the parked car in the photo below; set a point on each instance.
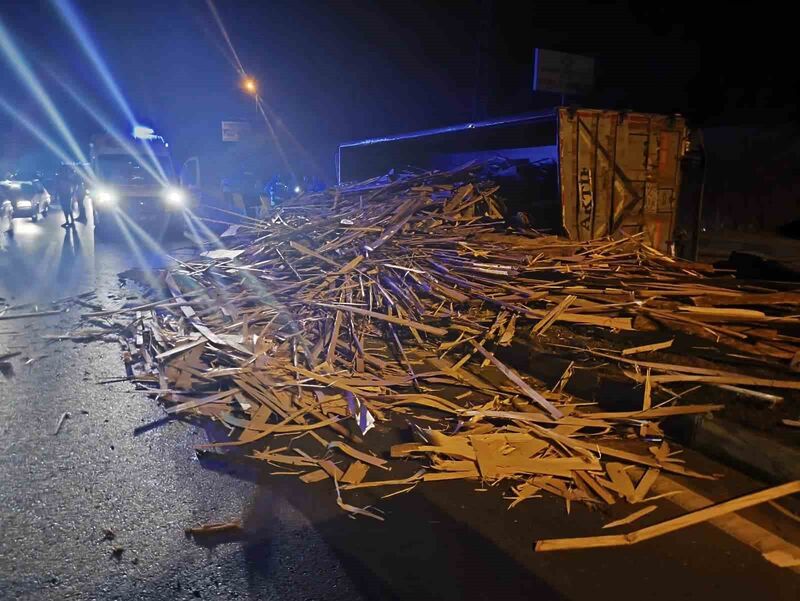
(29, 199)
(6, 215)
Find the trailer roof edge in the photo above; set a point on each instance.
(508, 120)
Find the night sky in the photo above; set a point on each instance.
(341, 71)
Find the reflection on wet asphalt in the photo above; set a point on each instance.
(45, 261)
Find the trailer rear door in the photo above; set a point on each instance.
(619, 173)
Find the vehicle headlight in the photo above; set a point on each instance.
(297, 189)
(106, 197)
(175, 196)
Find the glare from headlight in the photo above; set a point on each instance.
(106, 197)
(297, 189)
(175, 196)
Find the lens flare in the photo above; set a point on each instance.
(175, 196)
(73, 22)
(26, 75)
(46, 140)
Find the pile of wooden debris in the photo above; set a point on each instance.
(384, 304)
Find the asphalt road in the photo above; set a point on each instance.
(116, 465)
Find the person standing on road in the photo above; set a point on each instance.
(64, 190)
(79, 193)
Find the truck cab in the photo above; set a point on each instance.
(135, 180)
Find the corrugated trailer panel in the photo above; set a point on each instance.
(619, 173)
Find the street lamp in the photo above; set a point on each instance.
(250, 85)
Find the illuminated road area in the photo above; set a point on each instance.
(98, 510)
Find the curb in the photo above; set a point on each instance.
(751, 452)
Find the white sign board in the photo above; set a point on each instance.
(234, 131)
(562, 73)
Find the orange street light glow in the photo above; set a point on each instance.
(250, 85)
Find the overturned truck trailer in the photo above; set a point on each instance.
(584, 172)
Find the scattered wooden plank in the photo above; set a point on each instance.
(6, 317)
(356, 473)
(684, 521)
(339, 302)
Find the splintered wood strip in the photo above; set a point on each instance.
(596, 487)
(261, 427)
(657, 346)
(634, 458)
(756, 394)
(425, 400)
(357, 510)
(558, 466)
(179, 349)
(620, 479)
(648, 387)
(311, 253)
(508, 334)
(684, 521)
(552, 315)
(337, 323)
(28, 315)
(436, 477)
(369, 459)
(629, 519)
(400, 482)
(739, 314)
(644, 485)
(656, 413)
(516, 379)
(743, 380)
(615, 323)
(716, 329)
(351, 265)
(701, 371)
(384, 317)
(285, 459)
(314, 476)
(331, 469)
(763, 299)
(194, 403)
(540, 418)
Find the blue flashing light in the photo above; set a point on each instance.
(142, 132)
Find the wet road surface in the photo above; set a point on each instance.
(117, 465)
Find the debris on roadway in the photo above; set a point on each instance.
(393, 305)
(210, 529)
